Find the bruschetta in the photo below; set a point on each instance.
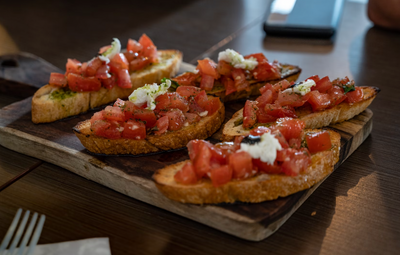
(270, 163)
(235, 77)
(318, 102)
(103, 79)
(152, 120)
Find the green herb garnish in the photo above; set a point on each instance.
(174, 84)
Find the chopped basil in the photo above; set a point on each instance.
(61, 94)
(348, 87)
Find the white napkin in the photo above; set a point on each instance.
(92, 246)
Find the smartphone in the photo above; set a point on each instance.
(303, 18)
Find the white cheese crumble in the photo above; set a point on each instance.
(302, 88)
(113, 50)
(237, 60)
(148, 94)
(203, 114)
(264, 150)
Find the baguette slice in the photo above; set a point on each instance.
(257, 189)
(336, 114)
(48, 108)
(289, 72)
(152, 143)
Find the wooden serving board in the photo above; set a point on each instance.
(131, 175)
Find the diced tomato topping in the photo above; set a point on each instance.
(114, 113)
(220, 176)
(265, 98)
(260, 131)
(121, 60)
(228, 84)
(73, 66)
(109, 83)
(133, 46)
(120, 103)
(323, 85)
(76, 82)
(194, 107)
(201, 99)
(241, 164)
(319, 101)
(103, 72)
(212, 105)
(124, 80)
(278, 111)
(178, 102)
(276, 88)
(208, 67)
(97, 116)
(317, 142)
(58, 79)
(186, 175)
(336, 95)
(188, 91)
(187, 79)
(315, 78)
(224, 68)
(278, 135)
(192, 117)
(134, 130)
(298, 162)
(264, 117)
(202, 159)
(295, 143)
(264, 70)
(162, 102)
(149, 49)
(250, 114)
(292, 99)
(139, 63)
(92, 67)
(239, 78)
(176, 119)
(355, 96)
(145, 41)
(162, 125)
(107, 129)
(193, 147)
(207, 82)
(290, 128)
(266, 167)
(146, 116)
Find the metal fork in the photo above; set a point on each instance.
(18, 234)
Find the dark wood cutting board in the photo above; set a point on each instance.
(131, 175)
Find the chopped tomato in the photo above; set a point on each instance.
(139, 63)
(208, 67)
(201, 99)
(315, 78)
(278, 135)
(114, 113)
(298, 162)
(228, 84)
(318, 100)
(250, 114)
(264, 117)
(97, 116)
(146, 116)
(355, 96)
(265, 167)
(279, 86)
(241, 164)
(107, 129)
(193, 147)
(149, 49)
(278, 111)
(162, 125)
(212, 105)
(323, 85)
(134, 130)
(188, 91)
(221, 175)
(121, 60)
(290, 128)
(124, 80)
(224, 68)
(194, 107)
(292, 99)
(192, 117)
(145, 41)
(77, 82)
(120, 103)
(175, 118)
(295, 143)
(73, 66)
(265, 98)
(187, 79)
(129, 110)
(109, 83)
(130, 55)
(320, 141)
(162, 102)
(266, 71)
(92, 67)
(186, 175)
(178, 102)
(133, 46)
(58, 79)
(202, 160)
(260, 131)
(239, 78)
(207, 82)
(336, 95)
(103, 72)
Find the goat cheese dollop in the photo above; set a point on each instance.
(265, 150)
(237, 60)
(302, 88)
(148, 94)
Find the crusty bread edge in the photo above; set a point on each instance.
(257, 189)
(337, 114)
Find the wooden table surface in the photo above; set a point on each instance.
(355, 211)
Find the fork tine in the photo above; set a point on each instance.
(36, 235)
(10, 231)
(27, 234)
(18, 235)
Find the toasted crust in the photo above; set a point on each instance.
(46, 109)
(289, 72)
(254, 190)
(153, 143)
(337, 114)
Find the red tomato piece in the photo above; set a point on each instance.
(207, 82)
(224, 68)
(290, 128)
(355, 96)
(319, 101)
(134, 130)
(187, 79)
(130, 55)
(114, 113)
(163, 102)
(212, 105)
(260, 131)
(201, 99)
(278, 111)
(208, 67)
(139, 63)
(73, 66)
(264, 117)
(278, 135)
(151, 53)
(186, 175)
(265, 98)
(147, 116)
(239, 78)
(264, 70)
(77, 82)
(194, 107)
(193, 148)
(295, 143)
(250, 114)
(110, 82)
(241, 164)
(188, 91)
(133, 46)
(220, 176)
(315, 78)
(102, 72)
(120, 103)
(292, 99)
(124, 80)
(202, 160)
(93, 66)
(129, 110)
(145, 41)
(58, 79)
(336, 95)
(299, 161)
(162, 125)
(266, 167)
(121, 60)
(228, 84)
(192, 117)
(107, 129)
(175, 118)
(320, 141)
(323, 85)
(178, 102)
(97, 116)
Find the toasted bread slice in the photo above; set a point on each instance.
(51, 103)
(152, 143)
(337, 114)
(289, 72)
(256, 189)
